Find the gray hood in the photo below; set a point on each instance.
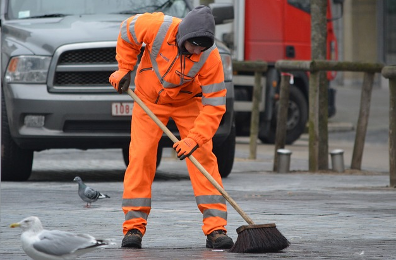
(198, 22)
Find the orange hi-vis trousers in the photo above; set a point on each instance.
(139, 175)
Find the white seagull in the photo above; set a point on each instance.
(88, 194)
(42, 244)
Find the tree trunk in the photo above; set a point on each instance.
(318, 125)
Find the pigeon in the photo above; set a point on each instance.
(88, 194)
(42, 244)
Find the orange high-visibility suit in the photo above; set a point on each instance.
(190, 89)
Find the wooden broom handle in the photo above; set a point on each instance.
(191, 157)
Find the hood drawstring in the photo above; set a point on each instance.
(182, 65)
(183, 68)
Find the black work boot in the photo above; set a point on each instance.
(219, 239)
(132, 239)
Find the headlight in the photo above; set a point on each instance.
(28, 69)
(227, 66)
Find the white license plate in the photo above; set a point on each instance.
(121, 109)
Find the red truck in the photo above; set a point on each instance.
(271, 30)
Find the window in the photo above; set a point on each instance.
(26, 9)
(390, 31)
(304, 5)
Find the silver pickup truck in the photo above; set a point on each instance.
(56, 58)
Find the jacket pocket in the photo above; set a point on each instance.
(148, 84)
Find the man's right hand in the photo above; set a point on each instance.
(120, 80)
(185, 147)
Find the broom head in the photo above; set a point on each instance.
(263, 238)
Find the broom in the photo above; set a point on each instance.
(252, 238)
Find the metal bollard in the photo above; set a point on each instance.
(337, 160)
(283, 160)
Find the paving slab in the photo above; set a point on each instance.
(325, 214)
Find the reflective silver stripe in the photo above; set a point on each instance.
(156, 47)
(159, 39)
(210, 199)
(213, 88)
(167, 84)
(215, 213)
(214, 101)
(135, 214)
(124, 30)
(195, 68)
(140, 202)
(198, 65)
(193, 71)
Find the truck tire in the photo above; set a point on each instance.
(225, 153)
(16, 163)
(125, 155)
(297, 116)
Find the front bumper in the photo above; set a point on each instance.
(81, 121)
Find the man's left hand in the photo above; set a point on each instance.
(185, 147)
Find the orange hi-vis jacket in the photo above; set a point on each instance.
(167, 76)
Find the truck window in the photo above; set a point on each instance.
(304, 5)
(27, 9)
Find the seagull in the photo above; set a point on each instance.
(42, 244)
(88, 194)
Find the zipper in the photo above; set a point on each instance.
(186, 91)
(159, 93)
(144, 69)
(169, 68)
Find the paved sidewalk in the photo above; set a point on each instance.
(324, 215)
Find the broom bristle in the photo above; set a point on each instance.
(260, 239)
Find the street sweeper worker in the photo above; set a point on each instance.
(180, 76)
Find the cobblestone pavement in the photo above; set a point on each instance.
(325, 215)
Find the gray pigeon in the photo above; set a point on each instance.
(88, 194)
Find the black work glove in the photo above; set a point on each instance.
(120, 79)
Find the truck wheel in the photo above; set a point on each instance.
(125, 155)
(16, 163)
(225, 153)
(297, 116)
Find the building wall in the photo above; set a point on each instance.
(360, 36)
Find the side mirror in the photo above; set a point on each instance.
(223, 13)
(341, 3)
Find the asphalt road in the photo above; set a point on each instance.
(325, 215)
